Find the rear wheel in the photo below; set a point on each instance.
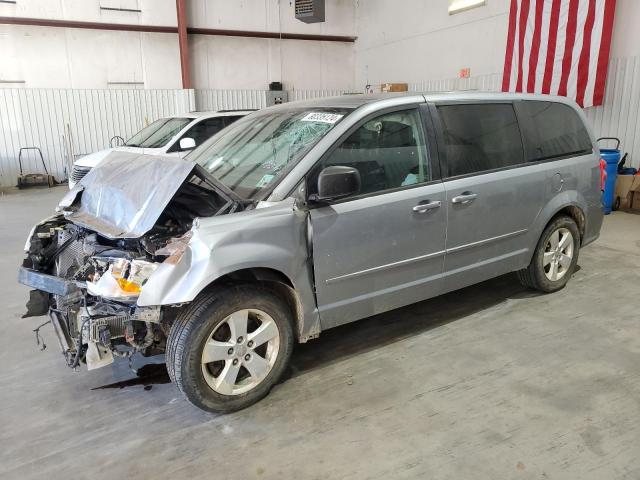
(555, 257)
(229, 347)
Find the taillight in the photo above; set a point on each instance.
(603, 173)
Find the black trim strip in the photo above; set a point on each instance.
(116, 9)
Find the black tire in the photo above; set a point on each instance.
(534, 275)
(193, 327)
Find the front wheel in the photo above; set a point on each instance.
(229, 347)
(555, 257)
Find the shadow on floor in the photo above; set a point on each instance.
(147, 376)
(371, 333)
(374, 332)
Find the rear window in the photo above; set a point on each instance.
(480, 137)
(553, 130)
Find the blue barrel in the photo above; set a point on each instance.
(612, 157)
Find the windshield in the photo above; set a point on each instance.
(250, 155)
(158, 133)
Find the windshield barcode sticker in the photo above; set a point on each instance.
(322, 117)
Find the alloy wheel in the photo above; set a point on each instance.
(240, 352)
(558, 254)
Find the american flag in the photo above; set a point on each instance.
(560, 47)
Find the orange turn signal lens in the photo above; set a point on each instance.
(128, 286)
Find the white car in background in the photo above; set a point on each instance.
(173, 136)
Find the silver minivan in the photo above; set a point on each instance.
(306, 216)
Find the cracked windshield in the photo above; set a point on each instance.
(252, 154)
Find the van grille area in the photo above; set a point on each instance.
(78, 173)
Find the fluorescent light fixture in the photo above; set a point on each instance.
(457, 6)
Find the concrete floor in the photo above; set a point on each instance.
(492, 382)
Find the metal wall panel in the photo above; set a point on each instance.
(67, 123)
(619, 116)
(486, 83)
(212, 100)
(295, 95)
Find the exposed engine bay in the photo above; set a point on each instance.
(88, 281)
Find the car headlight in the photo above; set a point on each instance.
(132, 275)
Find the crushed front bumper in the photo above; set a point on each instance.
(46, 283)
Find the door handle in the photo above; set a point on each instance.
(425, 207)
(466, 197)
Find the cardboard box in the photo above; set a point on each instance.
(623, 190)
(394, 87)
(628, 190)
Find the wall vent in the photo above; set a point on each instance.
(310, 11)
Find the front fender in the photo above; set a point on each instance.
(273, 238)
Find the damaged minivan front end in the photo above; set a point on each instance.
(89, 264)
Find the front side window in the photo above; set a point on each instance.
(480, 137)
(388, 152)
(201, 132)
(557, 131)
(252, 154)
(159, 133)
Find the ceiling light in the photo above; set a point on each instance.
(456, 6)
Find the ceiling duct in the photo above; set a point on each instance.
(310, 11)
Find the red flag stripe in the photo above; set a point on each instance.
(551, 46)
(559, 47)
(508, 58)
(568, 46)
(535, 47)
(524, 13)
(603, 57)
(583, 63)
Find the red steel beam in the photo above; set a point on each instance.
(124, 27)
(181, 12)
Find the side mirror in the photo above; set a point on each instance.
(187, 143)
(337, 182)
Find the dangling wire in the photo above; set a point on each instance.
(39, 339)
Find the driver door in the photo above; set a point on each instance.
(384, 247)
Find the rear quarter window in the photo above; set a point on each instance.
(553, 130)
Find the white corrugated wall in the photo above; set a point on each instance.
(620, 116)
(68, 123)
(65, 123)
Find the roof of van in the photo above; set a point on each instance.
(357, 100)
(212, 113)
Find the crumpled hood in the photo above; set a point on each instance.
(125, 194)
